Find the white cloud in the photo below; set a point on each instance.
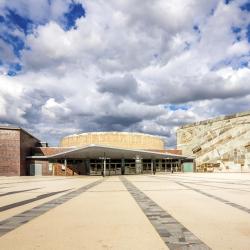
(37, 10)
(13, 105)
(53, 109)
(125, 63)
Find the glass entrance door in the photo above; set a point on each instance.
(96, 167)
(114, 167)
(130, 166)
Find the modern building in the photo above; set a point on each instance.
(220, 144)
(107, 153)
(114, 139)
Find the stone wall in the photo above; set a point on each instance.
(219, 142)
(114, 139)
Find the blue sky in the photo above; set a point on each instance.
(12, 20)
(75, 66)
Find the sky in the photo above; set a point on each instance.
(150, 66)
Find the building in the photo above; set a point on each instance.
(114, 139)
(218, 144)
(15, 145)
(108, 153)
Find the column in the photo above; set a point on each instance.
(179, 165)
(65, 164)
(165, 164)
(160, 165)
(104, 166)
(123, 166)
(152, 166)
(138, 164)
(53, 168)
(87, 166)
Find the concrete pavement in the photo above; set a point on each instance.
(178, 211)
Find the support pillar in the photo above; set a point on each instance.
(123, 166)
(65, 164)
(87, 166)
(138, 164)
(165, 165)
(152, 166)
(104, 166)
(160, 165)
(180, 165)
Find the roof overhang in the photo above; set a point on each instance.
(98, 151)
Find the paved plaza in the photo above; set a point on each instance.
(164, 211)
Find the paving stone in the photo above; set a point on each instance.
(245, 209)
(173, 233)
(24, 217)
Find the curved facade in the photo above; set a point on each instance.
(114, 139)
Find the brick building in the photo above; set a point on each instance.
(15, 145)
(117, 153)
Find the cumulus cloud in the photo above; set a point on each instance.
(13, 105)
(122, 65)
(120, 87)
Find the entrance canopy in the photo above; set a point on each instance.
(97, 151)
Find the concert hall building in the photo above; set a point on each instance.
(96, 153)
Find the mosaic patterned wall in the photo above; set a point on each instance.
(223, 142)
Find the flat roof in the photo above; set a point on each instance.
(115, 132)
(96, 151)
(10, 127)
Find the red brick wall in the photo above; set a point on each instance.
(60, 172)
(49, 150)
(15, 145)
(9, 152)
(27, 142)
(72, 169)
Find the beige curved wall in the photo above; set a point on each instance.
(114, 139)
